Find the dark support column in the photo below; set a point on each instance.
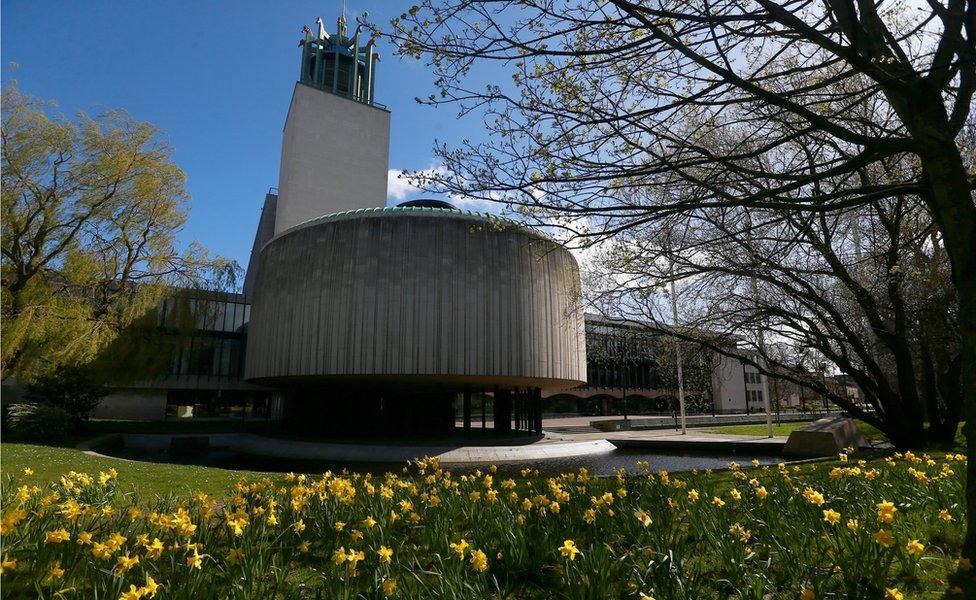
(467, 410)
(523, 411)
(525, 408)
(503, 412)
(537, 410)
(517, 404)
(484, 401)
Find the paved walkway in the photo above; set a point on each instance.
(719, 419)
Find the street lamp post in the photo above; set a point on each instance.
(677, 352)
(762, 344)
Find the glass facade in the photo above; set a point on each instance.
(620, 357)
(210, 335)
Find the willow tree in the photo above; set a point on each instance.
(91, 209)
(609, 98)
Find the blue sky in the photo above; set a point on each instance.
(217, 78)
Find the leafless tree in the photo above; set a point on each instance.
(609, 105)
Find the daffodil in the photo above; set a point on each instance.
(154, 549)
(886, 511)
(569, 549)
(893, 594)
(479, 561)
(101, 551)
(813, 496)
(124, 562)
(55, 572)
(644, 518)
(353, 558)
(884, 538)
(8, 564)
(194, 561)
(831, 516)
(57, 536)
(134, 593)
(149, 590)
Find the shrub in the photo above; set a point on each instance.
(36, 421)
(68, 388)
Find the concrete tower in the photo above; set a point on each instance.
(336, 144)
(335, 150)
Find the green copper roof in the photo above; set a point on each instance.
(414, 211)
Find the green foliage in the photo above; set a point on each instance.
(70, 389)
(40, 421)
(91, 209)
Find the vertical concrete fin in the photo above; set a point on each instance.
(264, 232)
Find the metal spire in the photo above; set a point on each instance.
(342, 21)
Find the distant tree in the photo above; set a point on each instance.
(867, 290)
(91, 208)
(697, 363)
(610, 101)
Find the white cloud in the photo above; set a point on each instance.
(398, 187)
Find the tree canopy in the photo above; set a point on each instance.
(91, 209)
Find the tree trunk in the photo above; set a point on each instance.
(967, 327)
(954, 210)
(949, 391)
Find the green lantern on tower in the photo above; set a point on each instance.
(337, 62)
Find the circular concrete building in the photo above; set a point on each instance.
(380, 320)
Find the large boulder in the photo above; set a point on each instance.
(824, 437)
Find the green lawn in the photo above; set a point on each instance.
(50, 462)
(784, 429)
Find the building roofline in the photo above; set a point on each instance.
(414, 211)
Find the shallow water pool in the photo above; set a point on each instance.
(596, 464)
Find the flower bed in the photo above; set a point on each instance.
(856, 529)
